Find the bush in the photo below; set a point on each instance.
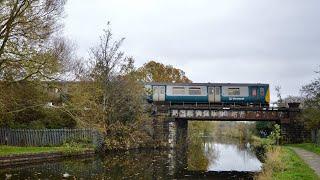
(78, 143)
(124, 137)
(262, 145)
(39, 118)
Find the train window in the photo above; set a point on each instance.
(254, 91)
(233, 91)
(178, 90)
(218, 91)
(211, 90)
(194, 91)
(261, 91)
(162, 90)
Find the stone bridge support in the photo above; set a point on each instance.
(292, 128)
(181, 145)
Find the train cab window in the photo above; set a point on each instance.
(261, 91)
(254, 91)
(233, 91)
(178, 90)
(194, 91)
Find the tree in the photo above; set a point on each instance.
(108, 89)
(108, 96)
(24, 104)
(109, 64)
(311, 116)
(311, 93)
(311, 110)
(26, 28)
(280, 100)
(158, 72)
(30, 52)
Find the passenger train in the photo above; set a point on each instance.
(209, 93)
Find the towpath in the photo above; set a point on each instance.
(312, 159)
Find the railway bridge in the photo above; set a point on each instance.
(179, 115)
(174, 119)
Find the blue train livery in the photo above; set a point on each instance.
(211, 93)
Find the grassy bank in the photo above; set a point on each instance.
(309, 147)
(14, 150)
(282, 163)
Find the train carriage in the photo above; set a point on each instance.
(210, 93)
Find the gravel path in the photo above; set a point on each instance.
(312, 159)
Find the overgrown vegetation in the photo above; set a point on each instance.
(282, 163)
(311, 107)
(263, 145)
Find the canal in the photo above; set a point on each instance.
(204, 157)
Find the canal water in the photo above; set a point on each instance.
(202, 158)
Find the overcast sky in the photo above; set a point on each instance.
(265, 41)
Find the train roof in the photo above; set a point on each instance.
(207, 84)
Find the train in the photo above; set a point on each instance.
(209, 93)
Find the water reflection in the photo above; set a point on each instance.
(230, 158)
(203, 157)
(206, 153)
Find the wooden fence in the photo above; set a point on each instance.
(47, 137)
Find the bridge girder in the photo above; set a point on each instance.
(229, 113)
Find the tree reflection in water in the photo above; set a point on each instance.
(209, 151)
(203, 152)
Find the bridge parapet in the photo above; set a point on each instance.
(238, 115)
(229, 113)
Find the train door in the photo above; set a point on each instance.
(211, 94)
(158, 93)
(214, 94)
(217, 94)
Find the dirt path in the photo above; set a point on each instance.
(312, 159)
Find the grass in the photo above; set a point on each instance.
(295, 167)
(282, 163)
(309, 147)
(14, 150)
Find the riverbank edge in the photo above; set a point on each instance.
(22, 159)
(284, 163)
(8, 161)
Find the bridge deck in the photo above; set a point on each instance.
(232, 113)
